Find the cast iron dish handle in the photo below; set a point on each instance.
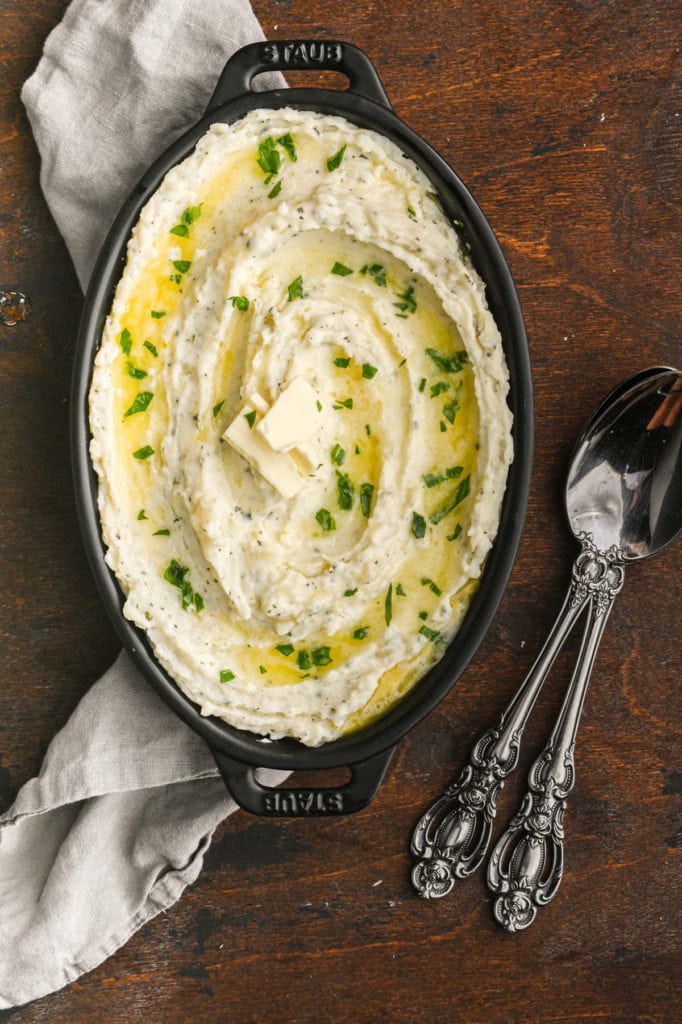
(253, 796)
(298, 55)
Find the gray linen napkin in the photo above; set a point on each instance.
(117, 823)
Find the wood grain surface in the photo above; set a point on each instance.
(563, 119)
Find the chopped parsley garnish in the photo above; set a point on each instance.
(388, 605)
(345, 490)
(239, 302)
(442, 426)
(158, 314)
(161, 533)
(430, 634)
(366, 492)
(438, 388)
(346, 403)
(295, 289)
(333, 162)
(142, 514)
(269, 159)
(182, 266)
(135, 373)
(285, 649)
(325, 520)
(337, 455)
(399, 591)
(217, 407)
(408, 303)
(412, 212)
(304, 660)
(360, 633)
(226, 675)
(451, 473)
(321, 656)
(450, 410)
(176, 278)
(376, 272)
(275, 190)
(188, 217)
(250, 418)
(368, 430)
(423, 616)
(150, 348)
(368, 370)
(458, 495)
(288, 145)
(418, 525)
(262, 669)
(455, 533)
(448, 364)
(350, 593)
(426, 581)
(144, 452)
(341, 270)
(422, 383)
(342, 362)
(126, 341)
(357, 449)
(176, 575)
(141, 403)
(318, 403)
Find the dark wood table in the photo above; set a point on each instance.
(561, 118)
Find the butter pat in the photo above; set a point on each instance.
(292, 417)
(278, 468)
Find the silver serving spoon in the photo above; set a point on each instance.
(623, 503)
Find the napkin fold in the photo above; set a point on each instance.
(118, 821)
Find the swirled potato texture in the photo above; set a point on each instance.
(296, 573)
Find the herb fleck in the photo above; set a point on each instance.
(141, 403)
(144, 452)
(426, 581)
(240, 302)
(368, 370)
(150, 348)
(360, 633)
(349, 593)
(448, 364)
(337, 455)
(142, 514)
(161, 533)
(345, 403)
(455, 533)
(304, 660)
(388, 605)
(321, 656)
(135, 373)
(376, 272)
(326, 520)
(126, 341)
(418, 525)
(366, 492)
(217, 407)
(295, 289)
(341, 270)
(342, 362)
(176, 575)
(333, 162)
(285, 649)
(288, 145)
(158, 314)
(275, 190)
(226, 675)
(250, 418)
(458, 495)
(408, 303)
(345, 490)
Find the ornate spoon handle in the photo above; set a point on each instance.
(526, 865)
(451, 838)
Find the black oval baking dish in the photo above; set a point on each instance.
(366, 752)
